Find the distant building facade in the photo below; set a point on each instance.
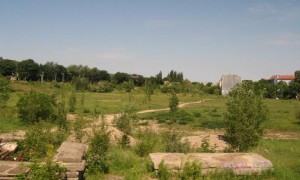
(277, 78)
(227, 82)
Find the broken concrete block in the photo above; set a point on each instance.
(9, 146)
(70, 152)
(172, 160)
(239, 163)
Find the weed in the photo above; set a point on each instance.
(205, 146)
(172, 142)
(72, 102)
(78, 127)
(124, 141)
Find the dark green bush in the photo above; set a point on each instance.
(34, 107)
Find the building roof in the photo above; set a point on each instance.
(282, 77)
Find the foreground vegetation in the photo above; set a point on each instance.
(132, 162)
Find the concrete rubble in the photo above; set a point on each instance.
(10, 169)
(239, 163)
(70, 155)
(7, 148)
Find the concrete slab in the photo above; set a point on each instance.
(72, 167)
(239, 163)
(70, 152)
(9, 146)
(12, 168)
(172, 160)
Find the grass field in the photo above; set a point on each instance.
(284, 153)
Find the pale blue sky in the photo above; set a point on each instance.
(202, 39)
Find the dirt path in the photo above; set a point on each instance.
(181, 105)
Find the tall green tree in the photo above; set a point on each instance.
(54, 72)
(246, 113)
(8, 67)
(159, 78)
(28, 70)
(120, 77)
(174, 76)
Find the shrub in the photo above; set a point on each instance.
(147, 141)
(50, 171)
(128, 86)
(163, 171)
(205, 146)
(80, 83)
(97, 161)
(104, 87)
(173, 102)
(123, 121)
(245, 114)
(34, 107)
(144, 148)
(172, 142)
(191, 171)
(40, 141)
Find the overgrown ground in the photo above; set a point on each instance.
(281, 144)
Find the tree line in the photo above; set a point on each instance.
(96, 80)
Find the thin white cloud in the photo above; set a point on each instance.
(283, 39)
(160, 23)
(263, 8)
(284, 12)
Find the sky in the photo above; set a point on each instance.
(202, 39)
